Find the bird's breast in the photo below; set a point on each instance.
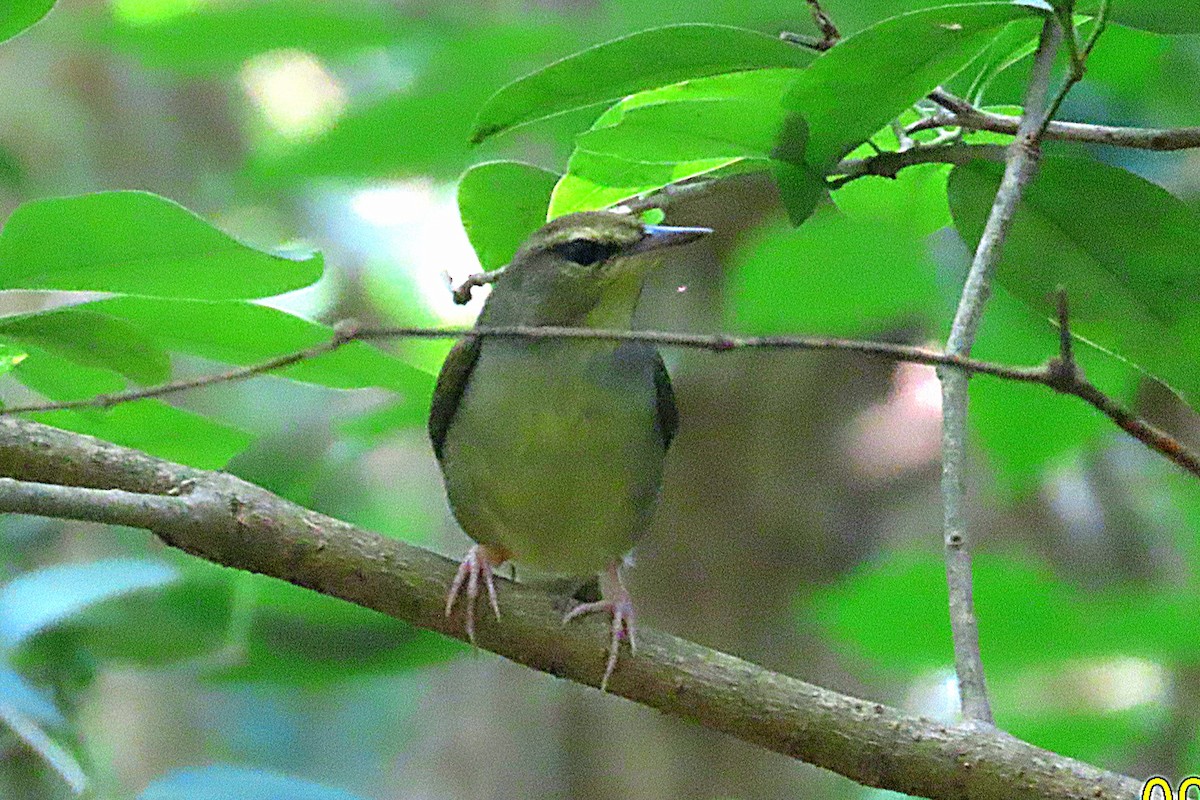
(554, 453)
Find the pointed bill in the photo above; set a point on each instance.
(660, 236)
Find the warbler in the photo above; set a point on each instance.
(552, 450)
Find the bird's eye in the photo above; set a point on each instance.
(585, 252)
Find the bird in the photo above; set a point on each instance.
(552, 450)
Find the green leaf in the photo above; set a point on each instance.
(17, 15)
(894, 612)
(221, 782)
(425, 128)
(801, 188)
(38, 600)
(739, 126)
(1018, 40)
(60, 379)
(889, 267)
(247, 333)
(655, 57)
(84, 337)
(221, 37)
(10, 357)
(598, 180)
(1026, 428)
(842, 96)
(158, 429)
(37, 739)
(652, 216)
(617, 161)
(148, 425)
(915, 198)
(183, 620)
(501, 203)
(1123, 248)
(35, 704)
(380, 425)
(302, 638)
(1159, 16)
(138, 243)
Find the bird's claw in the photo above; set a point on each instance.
(478, 566)
(618, 603)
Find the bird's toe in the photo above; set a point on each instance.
(478, 567)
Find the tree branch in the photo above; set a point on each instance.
(958, 113)
(230, 522)
(462, 292)
(829, 31)
(1079, 55)
(1022, 164)
(889, 163)
(344, 333)
(1159, 139)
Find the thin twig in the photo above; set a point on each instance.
(889, 164)
(670, 193)
(343, 334)
(951, 102)
(969, 118)
(1063, 374)
(1079, 56)
(1022, 163)
(1158, 139)
(824, 23)
(885, 163)
(1101, 24)
(957, 113)
(1066, 350)
(716, 343)
(830, 35)
(462, 292)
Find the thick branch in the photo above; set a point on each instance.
(230, 522)
(1022, 163)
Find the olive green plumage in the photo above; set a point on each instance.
(552, 450)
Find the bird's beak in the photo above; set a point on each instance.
(659, 236)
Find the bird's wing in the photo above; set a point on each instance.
(667, 415)
(451, 383)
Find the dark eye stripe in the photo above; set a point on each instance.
(585, 252)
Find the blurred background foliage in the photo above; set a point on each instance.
(800, 526)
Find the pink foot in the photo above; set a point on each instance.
(480, 564)
(617, 602)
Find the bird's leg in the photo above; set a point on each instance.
(614, 600)
(480, 564)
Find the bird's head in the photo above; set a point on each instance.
(585, 268)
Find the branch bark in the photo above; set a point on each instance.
(228, 521)
(1022, 164)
